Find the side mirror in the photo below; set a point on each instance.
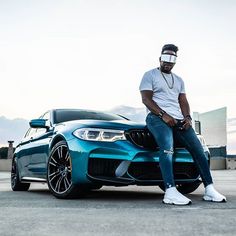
(38, 123)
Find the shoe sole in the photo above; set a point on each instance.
(209, 199)
(176, 203)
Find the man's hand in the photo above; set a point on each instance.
(169, 120)
(187, 123)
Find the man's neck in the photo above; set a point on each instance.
(164, 71)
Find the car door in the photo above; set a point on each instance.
(40, 149)
(23, 153)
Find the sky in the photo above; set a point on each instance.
(92, 54)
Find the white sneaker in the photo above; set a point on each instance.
(212, 195)
(122, 168)
(173, 196)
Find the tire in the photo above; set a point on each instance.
(184, 188)
(16, 184)
(59, 173)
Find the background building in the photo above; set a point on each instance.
(213, 126)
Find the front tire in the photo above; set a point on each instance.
(16, 184)
(59, 173)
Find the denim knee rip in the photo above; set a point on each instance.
(168, 152)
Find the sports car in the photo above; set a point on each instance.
(74, 151)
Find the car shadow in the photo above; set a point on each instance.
(122, 195)
(113, 194)
(109, 193)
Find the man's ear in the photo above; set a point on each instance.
(159, 59)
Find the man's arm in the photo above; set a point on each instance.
(184, 105)
(154, 108)
(185, 109)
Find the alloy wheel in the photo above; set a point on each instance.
(60, 169)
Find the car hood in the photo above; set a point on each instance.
(115, 124)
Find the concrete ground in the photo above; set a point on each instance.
(116, 211)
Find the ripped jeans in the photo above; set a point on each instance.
(164, 136)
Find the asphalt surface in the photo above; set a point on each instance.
(109, 211)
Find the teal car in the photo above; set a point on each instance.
(75, 150)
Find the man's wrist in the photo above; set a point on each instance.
(188, 117)
(161, 113)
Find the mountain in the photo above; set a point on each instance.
(12, 130)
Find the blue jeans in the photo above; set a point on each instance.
(164, 136)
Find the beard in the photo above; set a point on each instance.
(166, 68)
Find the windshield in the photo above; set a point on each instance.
(68, 115)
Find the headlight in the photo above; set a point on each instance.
(104, 135)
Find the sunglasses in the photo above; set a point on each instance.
(168, 58)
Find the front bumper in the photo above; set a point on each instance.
(96, 162)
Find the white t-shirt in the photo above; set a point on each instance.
(165, 97)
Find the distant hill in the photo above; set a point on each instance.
(12, 130)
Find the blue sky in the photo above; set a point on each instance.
(92, 54)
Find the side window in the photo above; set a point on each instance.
(40, 131)
(45, 116)
(30, 133)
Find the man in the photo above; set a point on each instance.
(163, 93)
